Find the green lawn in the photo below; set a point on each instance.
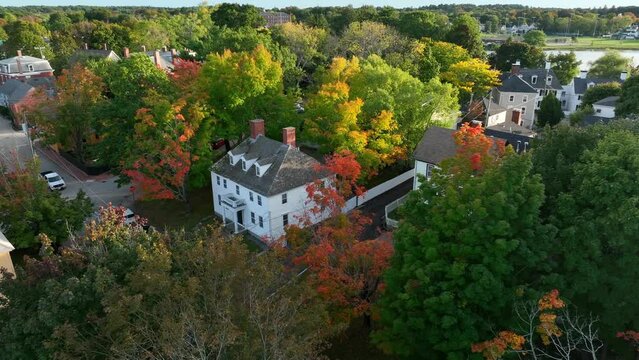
(582, 43)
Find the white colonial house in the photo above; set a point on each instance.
(260, 185)
(522, 91)
(574, 92)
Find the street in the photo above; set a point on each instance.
(102, 189)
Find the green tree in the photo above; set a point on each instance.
(600, 91)
(629, 100)
(596, 247)
(535, 38)
(611, 65)
(472, 77)
(307, 43)
(58, 21)
(236, 16)
(550, 112)
(28, 207)
(565, 66)
(362, 39)
(241, 86)
(126, 293)
(27, 36)
(419, 24)
(465, 33)
(69, 119)
(465, 237)
(511, 51)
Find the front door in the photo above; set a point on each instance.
(240, 217)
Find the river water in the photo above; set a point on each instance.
(588, 56)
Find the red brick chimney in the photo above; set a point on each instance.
(18, 61)
(288, 136)
(156, 59)
(514, 68)
(257, 128)
(516, 117)
(127, 53)
(19, 52)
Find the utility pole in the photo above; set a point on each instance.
(41, 53)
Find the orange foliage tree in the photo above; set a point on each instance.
(475, 151)
(345, 271)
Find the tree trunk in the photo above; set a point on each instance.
(368, 323)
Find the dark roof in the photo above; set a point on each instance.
(509, 83)
(290, 168)
(609, 101)
(436, 145)
(581, 85)
(594, 119)
(493, 107)
(513, 83)
(519, 142)
(15, 90)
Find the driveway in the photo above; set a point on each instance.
(102, 189)
(375, 208)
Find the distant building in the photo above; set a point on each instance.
(19, 96)
(86, 53)
(522, 91)
(603, 111)
(274, 18)
(574, 92)
(24, 68)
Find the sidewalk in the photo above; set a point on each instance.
(63, 163)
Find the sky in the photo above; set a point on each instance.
(311, 3)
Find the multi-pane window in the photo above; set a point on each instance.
(511, 98)
(259, 200)
(261, 221)
(251, 196)
(523, 110)
(218, 180)
(237, 189)
(284, 198)
(225, 183)
(284, 219)
(219, 199)
(252, 217)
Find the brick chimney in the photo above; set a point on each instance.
(288, 136)
(257, 128)
(156, 58)
(515, 67)
(105, 46)
(86, 46)
(127, 53)
(516, 117)
(583, 74)
(19, 52)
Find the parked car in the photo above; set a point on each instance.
(54, 181)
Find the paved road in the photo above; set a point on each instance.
(102, 190)
(375, 208)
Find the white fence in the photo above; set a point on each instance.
(374, 192)
(392, 223)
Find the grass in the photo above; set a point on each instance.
(582, 43)
(354, 344)
(174, 215)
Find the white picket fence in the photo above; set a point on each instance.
(376, 191)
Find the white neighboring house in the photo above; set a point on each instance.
(575, 91)
(5, 256)
(522, 91)
(603, 111)
(260, 185)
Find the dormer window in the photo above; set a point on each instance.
(231, 160)
(258, 171)
(534, 79)
(549, 80)
(30, 67)
(590, 85)
(244, 165)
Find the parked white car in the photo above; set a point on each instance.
(54, 181)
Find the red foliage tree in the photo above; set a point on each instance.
(630, 336)
(184, 76)
(475, 150)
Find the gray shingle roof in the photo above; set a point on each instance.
(513, 83)
(39, 65)
(290, 168)
(15, 90)
(581, 85)
(609, 101)
(594, 119)
(509, 83)
(436, 145)
(94, 53)
(519, 138)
